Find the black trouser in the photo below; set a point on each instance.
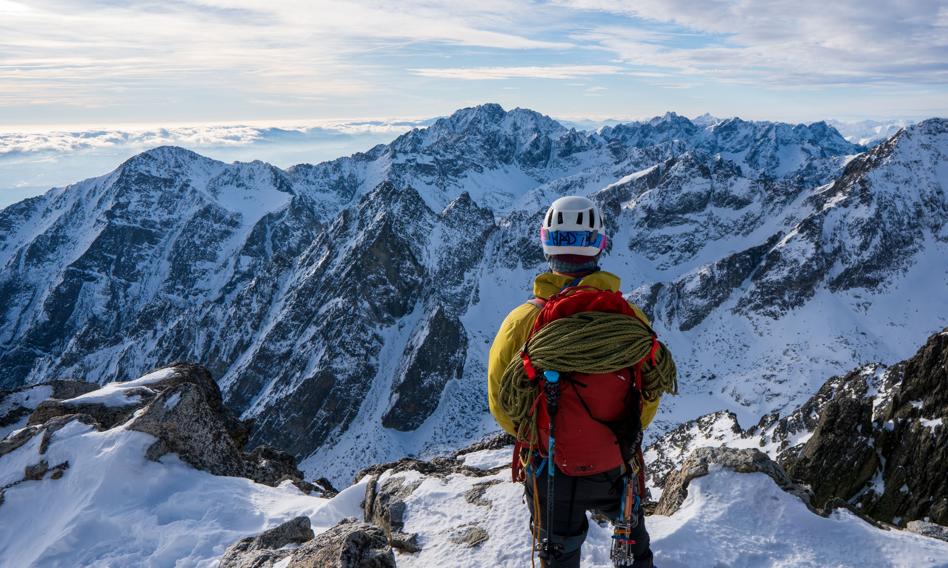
(572, 497)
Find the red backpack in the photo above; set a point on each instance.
(599, 415)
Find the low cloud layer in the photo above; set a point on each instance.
(33, 162)
(196, 137)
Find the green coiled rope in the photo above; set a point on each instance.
(588, 342)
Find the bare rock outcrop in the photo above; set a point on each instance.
(883, 447)
(350, 544)
(268, 547)
(180, 406)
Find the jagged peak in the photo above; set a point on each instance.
(669, 117)
(492, 116)
(160, 158)
(464, 208)
(169, 152)
(706, 119)
(932, 126)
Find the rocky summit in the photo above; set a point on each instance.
(872, 440)
(179, 406)
(347, 307)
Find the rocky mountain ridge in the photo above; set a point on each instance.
(872, 440)
(318, 295)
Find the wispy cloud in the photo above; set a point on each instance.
(225, 60)
(783, 41)
(93, 52)
(533, 72)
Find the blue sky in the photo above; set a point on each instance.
(99, 63)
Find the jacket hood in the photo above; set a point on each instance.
(549, 283)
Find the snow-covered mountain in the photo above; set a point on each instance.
(348, 306)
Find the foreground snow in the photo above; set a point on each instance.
(729, 519)
(113, 507)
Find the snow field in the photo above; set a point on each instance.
(728, 520)
(115, 508)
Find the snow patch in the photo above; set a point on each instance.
(173, 401)
(487, 459)
(113, 507)
(122, 393)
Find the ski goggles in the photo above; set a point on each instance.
(572, 238)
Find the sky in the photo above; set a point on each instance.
(105, 62)
(84, 84)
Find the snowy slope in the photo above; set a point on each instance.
(114, 508)
(770, 255)
(79, 493)
(727, 519)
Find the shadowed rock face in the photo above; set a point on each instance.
(873, 440)
(886, 453)
(435, 358)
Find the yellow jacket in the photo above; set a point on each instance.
(516, 327)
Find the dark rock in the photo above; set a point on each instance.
(183, 423)
(475, 495)
(350, 544)
(56, 472)
(326, 487)
(930, 530)
(438, 467)
(267, 548)
(14, 416)
(886, 454)
(107, 416)
(437, 355)
(188, 419)
(492, 442)
(469, 536)
(384, 506)
(742, 461)
(36, 472)
(836, 445)
(67, 388)
(271, 466)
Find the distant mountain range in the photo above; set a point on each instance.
(348, 306)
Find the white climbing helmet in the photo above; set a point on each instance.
(573, 225)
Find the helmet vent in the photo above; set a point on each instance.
(579, 218)
(592, 219)
(549, 218)
(559, 217)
